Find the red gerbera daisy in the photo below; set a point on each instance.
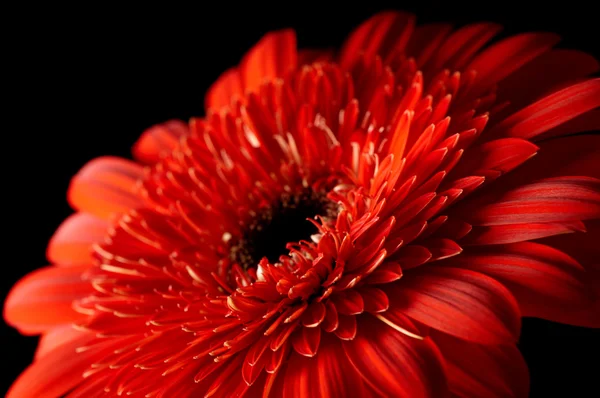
(368, 223)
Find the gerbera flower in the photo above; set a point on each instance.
(373, 222)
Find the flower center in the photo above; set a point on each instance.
(268, 233)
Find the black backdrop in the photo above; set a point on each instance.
(81, 83)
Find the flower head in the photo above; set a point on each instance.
(373, 222)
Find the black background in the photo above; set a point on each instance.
(80, 83)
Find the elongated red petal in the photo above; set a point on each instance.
(55, 373)
(328, 374)
(552, 111)
(560, 199)
(273, 56)
(546, 282)
(515, 51)
(106, 186)
(72, 242)
(560, 66)
(394, 364)
(460, 302)
(44, 299)
(475, 370)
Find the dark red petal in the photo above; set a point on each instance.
(475, 370)
(546, 282)
(514, 52)
(426, 40)
(394, 364)
(442, 248)
(306, 341)
(375, 299)
(551, 111)
(346, 329)
(511, 233)
(309, 56)
(462, 44)
(502, 155)
(559, 65)
(328, 374)
(460, 302)
(159, 140)
(348, 302)
(314, 315)
(44, 299)
(72, 242)
(553, 200)
(579, 156)
(383, 34)
(585, 249)
(106, 186)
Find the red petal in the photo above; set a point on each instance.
(331, 321)
(273, 56)
(547, 201)
(55, 373)
(579, 156)
(227, 88)
(348, 302)
(309, 56)
(462, 44)
(560, 65)
(306, 341)
(511, 233)
(381, 34)
(346, 329)
(394, 364)
(442, 248)
(546, 282)
(105, 186)
(460, 302)
(426, 40)
(328, 374)
(501, 155)
(475, 370)
(412, 256)
(72, 242)
(514, 52)
(43, 299)
(314, 314)
(551, 111)
(159, 140)
(375, 299)
(56, 337)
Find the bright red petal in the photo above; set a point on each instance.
(106, 186)
(56, 337)
(159, 140)
(72, 242)
(57, 372)
(273, 56)
(43, 299)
